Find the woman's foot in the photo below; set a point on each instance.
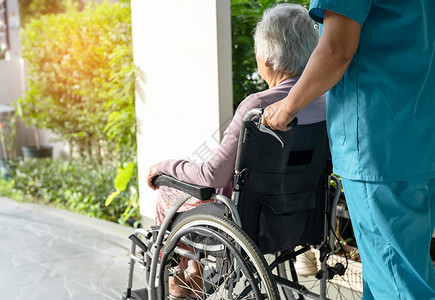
(195, 281)
(178, 288)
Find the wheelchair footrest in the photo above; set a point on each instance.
(141, 294)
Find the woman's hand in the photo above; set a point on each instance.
(151, 174)
(277, 117)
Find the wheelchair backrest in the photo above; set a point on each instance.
(281, 191)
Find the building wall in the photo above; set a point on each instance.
(182, 49)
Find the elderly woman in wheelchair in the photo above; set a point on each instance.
(210, 243)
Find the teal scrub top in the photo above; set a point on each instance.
(381, 115)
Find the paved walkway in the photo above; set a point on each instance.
(47, 253)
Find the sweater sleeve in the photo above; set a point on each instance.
(218, 170)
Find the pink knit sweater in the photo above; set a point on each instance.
(218, 171)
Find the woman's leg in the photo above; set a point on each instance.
(195, 280)
(179, 285)
(166, 196)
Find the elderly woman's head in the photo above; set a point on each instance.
(285, 37)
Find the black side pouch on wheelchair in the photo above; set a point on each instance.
(284, 220)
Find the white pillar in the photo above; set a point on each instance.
(184, 99)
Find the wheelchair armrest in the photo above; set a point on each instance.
(200, 192)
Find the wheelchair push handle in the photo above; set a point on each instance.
(259, 112)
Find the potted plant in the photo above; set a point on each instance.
(37, 151)
(8, 133)
(33, 113)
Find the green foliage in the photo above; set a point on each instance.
(244, 16)
(30, 9)
(78, 185)
(121, 125)
(8, 136)
(126, 174)
(7, 190)
(72, 78)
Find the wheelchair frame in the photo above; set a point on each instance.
(153, 242)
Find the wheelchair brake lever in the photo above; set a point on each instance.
(259, 112)
(267, 130)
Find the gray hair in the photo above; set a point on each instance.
(286, 36)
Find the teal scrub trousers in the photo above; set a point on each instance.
(393, 224)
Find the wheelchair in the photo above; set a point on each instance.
(283, 210)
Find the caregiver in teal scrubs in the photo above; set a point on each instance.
(377, 59)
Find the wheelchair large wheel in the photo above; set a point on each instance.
(231, 266)
(343, 274)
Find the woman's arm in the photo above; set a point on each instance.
(218, 170)
(326, 66)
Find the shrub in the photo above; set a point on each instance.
(121, 125)
(78, 185)
(69, 76)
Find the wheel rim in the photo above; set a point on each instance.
(223, 277)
